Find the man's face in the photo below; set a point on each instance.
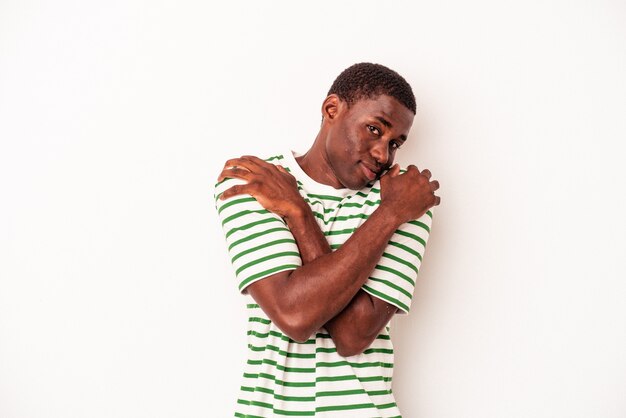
(364, 137)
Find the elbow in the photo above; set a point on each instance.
(297, 334)
(348, 346)
(295, 327)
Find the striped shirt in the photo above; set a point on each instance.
(286, 378)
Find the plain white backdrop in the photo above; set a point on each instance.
(116, 295)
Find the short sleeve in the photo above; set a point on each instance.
(393, 278)
(259, 242)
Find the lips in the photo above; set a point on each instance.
(369, 173)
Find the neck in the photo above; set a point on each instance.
(316, 165)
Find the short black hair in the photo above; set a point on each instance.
(367, 81)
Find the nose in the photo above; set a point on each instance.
(380, 152)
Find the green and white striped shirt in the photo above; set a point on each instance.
(287, 378)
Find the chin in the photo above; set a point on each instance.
(355, 182)
(357, 186)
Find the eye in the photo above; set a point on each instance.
(395, 145)
(374, 130)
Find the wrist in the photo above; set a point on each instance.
(297, 212)
(389, 214)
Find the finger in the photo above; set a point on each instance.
(412, 167)
(254, 159)
(434, 185)
(234, 173)
(234, 162)
(393, 171)
(426, 173)
(241, 162)
(234, 191)
(257, 161)
(437, 200)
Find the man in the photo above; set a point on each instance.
(328, 244)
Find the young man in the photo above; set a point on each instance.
(327, 245)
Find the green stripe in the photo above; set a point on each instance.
(374, 379)
(354, 365)
(353, 392)
(340, 392)
(277, 411)
(266, 258)
(344, 205)
(341, 218)
(340, 232)
(392, 285)
(261, 320)
(268, 272)
(412, 236)
(344, 407)
(281, 367)
(401, 261)
(360, 205)
(420, 224)
(325, 197)
(240, 415)
(293, 413)
(379, 392)
(251, 225)
(244, 213)
(335, 378)
(352, 377)
(258, 234)
(406, 248)
(236, 202)
(396, 272)
(378, 350)
(279, 351)
(389, 299)
(280, 397)
(278, 381)
(260, 247)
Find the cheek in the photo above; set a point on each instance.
(392, 156)
(355, 144)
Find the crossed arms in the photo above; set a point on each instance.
(326, 289)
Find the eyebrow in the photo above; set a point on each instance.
(384, 121)
(389, 125)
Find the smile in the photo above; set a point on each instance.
(371, 175)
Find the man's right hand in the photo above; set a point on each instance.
(271, 185)
(409, 195)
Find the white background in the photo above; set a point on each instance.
(116, 295)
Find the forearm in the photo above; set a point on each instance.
(355, 327)
(328, 280)
(310, 239)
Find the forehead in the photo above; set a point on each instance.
(383, 106)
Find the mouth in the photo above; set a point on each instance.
(369, 172)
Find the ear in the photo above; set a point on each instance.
(331, 107)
